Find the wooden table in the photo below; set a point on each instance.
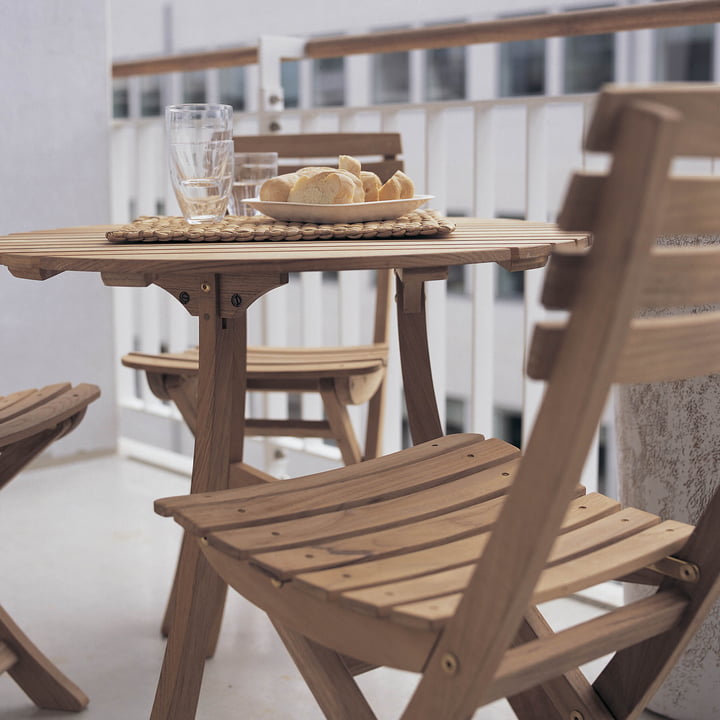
(217, 282)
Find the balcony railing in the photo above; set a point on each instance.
(483, 157)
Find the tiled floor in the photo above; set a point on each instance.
(85, 567)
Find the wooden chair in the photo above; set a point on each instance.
(341, 375)
(29, 422)
(435, 559)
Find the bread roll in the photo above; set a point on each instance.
(371, 185)
(349, 163)
(313, 170)
(325, 188)
(359, 191)
(407, 186)
(390, 190)
(278, 188)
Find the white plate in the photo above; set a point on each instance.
(341, 213)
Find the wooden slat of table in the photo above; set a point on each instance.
(515, 244)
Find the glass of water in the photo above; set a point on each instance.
(200, 154)
(251, 171)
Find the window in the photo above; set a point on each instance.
(455, 415)
(391, 77)
(684, 53)
(290, 81)
(456, 280)
(329, 82)
(509, 285)
(522, 68)
(445, 74)
(589, 62)
(232, 87)
(193, 87)
(121, 100)
(508, 426)
(151, 102)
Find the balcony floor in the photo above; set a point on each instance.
(89, 566)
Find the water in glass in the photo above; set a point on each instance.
(251, 171)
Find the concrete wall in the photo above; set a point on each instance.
(54, 75)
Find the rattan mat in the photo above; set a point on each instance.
(244, 229)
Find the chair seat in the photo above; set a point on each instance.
(26, 413)
(30, 420)
(291, 365)
(395, 539)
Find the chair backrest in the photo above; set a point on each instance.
(602, 340)
(378, 152)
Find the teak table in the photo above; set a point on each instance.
(217, 282)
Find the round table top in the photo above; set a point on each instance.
(515, 244)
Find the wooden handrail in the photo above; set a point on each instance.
(676, 13)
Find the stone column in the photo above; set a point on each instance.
(668, 438)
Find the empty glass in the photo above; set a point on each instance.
(200, 154)
(251, 171)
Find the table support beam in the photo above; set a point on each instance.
(423, 416)
(199, 593)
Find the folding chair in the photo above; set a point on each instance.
(30, 421)
(341, 375)
(435, 559)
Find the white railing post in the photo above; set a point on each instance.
(271, 98)
(483, 281)
(436, 292)
(535, 210)
(273, 307)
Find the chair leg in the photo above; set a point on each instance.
(325, 673)
(41, 681)
(340, 424)
(375, 416)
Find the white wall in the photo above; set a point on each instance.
(54, 75)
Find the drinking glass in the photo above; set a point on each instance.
(251, 171)
(200, 154)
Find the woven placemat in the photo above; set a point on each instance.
(245, 229)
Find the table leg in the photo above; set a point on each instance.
(200, 593)
(422, 410)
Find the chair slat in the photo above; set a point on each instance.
(17, 404)
(314, 145)
(656, 350)
(584, 543)
(677, 277)
(698, 102)
(187, 504)
(377, 512)
(692, 207)
(56, 408)
(399, 563)
(313, 561)
(642, 549)
(379, 486)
